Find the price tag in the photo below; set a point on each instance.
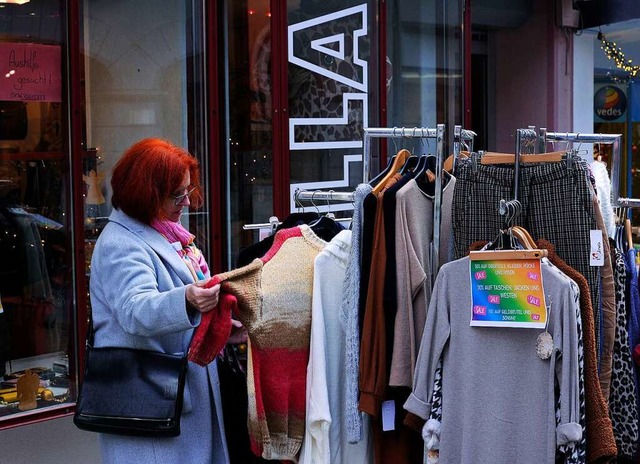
(507, 293)
(596, 256)
(388, 415)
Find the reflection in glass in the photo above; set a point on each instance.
(36, 293)
(332, 79)
(249, 148)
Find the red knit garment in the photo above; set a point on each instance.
(272, 296)
(214, 329)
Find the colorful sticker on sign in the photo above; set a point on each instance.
(507, 293)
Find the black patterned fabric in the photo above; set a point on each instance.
(556, 206)
(623, 398)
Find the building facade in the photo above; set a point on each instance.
(272, 97)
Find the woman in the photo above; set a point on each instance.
(146, 293)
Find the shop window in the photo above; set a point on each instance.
(143, 77)
(332, 95)
(249, 148)
(36, 256)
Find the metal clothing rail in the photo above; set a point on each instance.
(274, 222)
(606, 139)
(323, 195)
(422, 133)
(395, 132)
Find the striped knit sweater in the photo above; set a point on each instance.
(273, 301)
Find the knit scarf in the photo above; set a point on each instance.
(175, 233)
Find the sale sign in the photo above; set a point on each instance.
(507, 293)
(30, 72)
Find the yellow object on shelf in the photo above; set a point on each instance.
(12, 397)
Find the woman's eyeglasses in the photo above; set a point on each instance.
(177, 199)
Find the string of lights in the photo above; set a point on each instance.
(615, 53)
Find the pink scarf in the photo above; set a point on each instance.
(174, 232)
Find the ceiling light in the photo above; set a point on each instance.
(17, 2)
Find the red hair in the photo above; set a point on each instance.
(147, 173)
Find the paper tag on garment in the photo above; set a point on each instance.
(507, 293)
(388, 415)
(596, 257)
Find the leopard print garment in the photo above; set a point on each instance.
(623, 398)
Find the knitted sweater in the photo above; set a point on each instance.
(273, 301)
(349, 319)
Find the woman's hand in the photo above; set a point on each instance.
(203, 299)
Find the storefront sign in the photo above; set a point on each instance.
(507, 293)
(610, 104)
(32, 72)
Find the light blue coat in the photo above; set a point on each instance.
(138, 284)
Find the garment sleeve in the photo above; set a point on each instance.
(315, 446)
(564, 312)
(128, 283)
(434, 337)
(410, 279)
(349, 319)
(373, 363)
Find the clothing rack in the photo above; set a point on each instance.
(606, 139)
(399, 132)
(463, 136)
(421, 133)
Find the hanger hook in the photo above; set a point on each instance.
(395, 140)
(297, 202)
(313, 194)
(511, 213)
(329, 213)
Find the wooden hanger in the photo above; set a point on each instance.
(508, 158)
(397, 164)
(497, 255)
(448, 163)
(531, 250)
(524, 237)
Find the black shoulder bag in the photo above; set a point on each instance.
(130, 392)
